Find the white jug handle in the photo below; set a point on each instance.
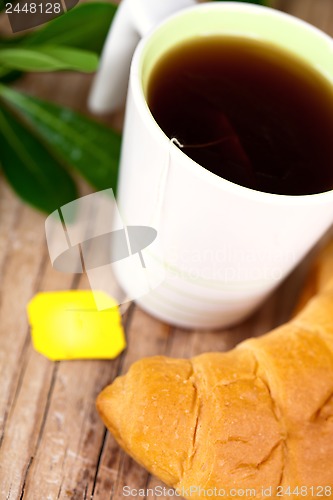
(133, 19)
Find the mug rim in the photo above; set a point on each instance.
(159, 135)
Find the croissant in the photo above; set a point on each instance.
(256, 421)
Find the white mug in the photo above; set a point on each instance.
(225, 247)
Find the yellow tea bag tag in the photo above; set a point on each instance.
(67, 325)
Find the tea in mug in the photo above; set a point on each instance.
(248, 111)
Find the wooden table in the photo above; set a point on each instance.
(52, 443)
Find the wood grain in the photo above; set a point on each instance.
(52, 443)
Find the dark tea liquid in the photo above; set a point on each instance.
(248, 112)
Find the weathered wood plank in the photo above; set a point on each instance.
(320, 15)
(21, 274)
(29, 405)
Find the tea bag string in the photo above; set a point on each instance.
(162, 186)
(161, 192)
(205, 144)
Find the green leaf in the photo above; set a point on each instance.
(32, 171)
(9, 76)
(2, 5)
(12, 41)
(84, 27)
(92, 149)
(48, 58)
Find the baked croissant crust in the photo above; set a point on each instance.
(257, 417)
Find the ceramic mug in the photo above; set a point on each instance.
(225, 247)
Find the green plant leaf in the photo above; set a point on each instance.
(32, 171)
(85, 27)
(48, 58)
(92, 149)
(12, 41)
(9, 76)
(2, 5)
